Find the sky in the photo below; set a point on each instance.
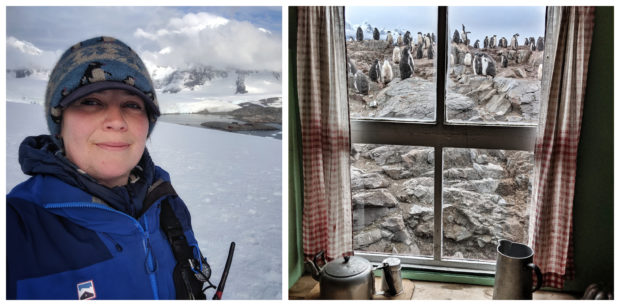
(481, 21)
(245, 38)
(231, 184)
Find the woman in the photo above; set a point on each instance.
(98, 219)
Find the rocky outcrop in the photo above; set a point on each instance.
(485, 198)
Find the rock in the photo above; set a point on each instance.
(365, 216)
(490, 170)
(385, 155)
(376, 198)
(498, 105)
(417, 191)
(460, 158)
(366, 238)
(396, 225)
(367, 181)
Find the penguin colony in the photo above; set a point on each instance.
(403, 54)
(405, 50)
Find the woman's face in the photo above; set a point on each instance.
(105, 134)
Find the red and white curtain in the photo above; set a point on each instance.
(567, 51)
(322, 90)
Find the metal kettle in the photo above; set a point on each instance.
(346, 278)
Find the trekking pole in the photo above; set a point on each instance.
(220, 286)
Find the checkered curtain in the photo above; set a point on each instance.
(567, 52)
(322, 89)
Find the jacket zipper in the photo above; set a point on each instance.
(150, 263)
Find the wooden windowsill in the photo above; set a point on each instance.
(307, 288)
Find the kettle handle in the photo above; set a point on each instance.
(318, 255)
(389, 279)
(539, 277)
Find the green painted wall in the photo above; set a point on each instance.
(594, 194)
(295, 188)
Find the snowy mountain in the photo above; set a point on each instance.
(367, 28)
(179, 90)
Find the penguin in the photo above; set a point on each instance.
(540, 44)
(360, 34)
(420, 52)
(486, 42)
(532, 44)
(503, 42)
(375, 34)
(464, 36)
(456, 38)
(526, 42)
(433, 40)
(420, 39)
(483, 64)
(389, 39)
(431, 53)
(399, 40)
(396, 55)
(503, 60)
(407, 38)
(94, 73)
(386, 72)
(493, 42)
(451, 60)
(360, 83)
(467, 59)
(540, 71)
(427, 41)
(351, 69)
(477, 44)
(514, 43)
(375, 72)
(406, 64)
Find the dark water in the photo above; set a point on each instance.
(197, 119)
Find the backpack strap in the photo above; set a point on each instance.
(186, 285)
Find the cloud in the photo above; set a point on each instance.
(222, 37)
(208, 39)
(23, 54)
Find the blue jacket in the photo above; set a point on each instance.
(71, 238)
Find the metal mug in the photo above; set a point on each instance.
(392, 281)
(513, 272)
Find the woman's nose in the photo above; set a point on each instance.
(114, 119)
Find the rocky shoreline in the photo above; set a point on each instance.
(264, 115)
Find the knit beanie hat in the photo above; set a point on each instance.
(93, 65)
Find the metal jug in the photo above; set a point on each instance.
(513, 272)
(392, 281)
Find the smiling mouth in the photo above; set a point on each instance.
(113, 146)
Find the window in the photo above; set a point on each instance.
(442, 159)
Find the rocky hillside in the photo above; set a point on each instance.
(511, 96)
(486, 193)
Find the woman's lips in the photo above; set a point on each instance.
(113, 146)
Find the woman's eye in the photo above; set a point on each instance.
(133, 105)
(90, 102)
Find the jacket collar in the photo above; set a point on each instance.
(39, 155)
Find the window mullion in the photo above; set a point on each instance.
(442, 20)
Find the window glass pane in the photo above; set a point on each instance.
(506, 44)
(486, 197)
(392, 193)
(392, 62)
